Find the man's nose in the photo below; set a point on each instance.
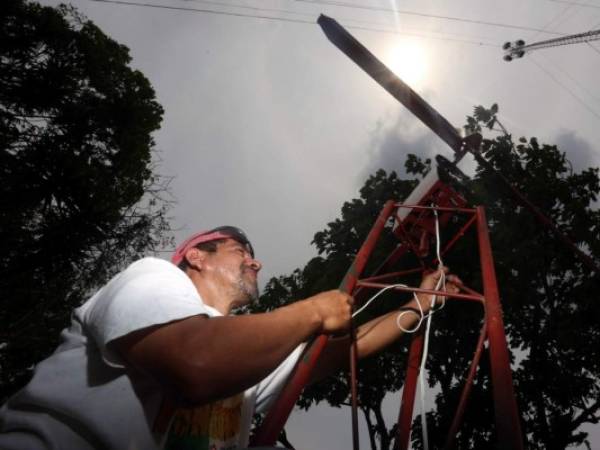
(254, 264)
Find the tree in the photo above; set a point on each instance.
(547, 296)
(79, 196)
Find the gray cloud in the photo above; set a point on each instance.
(578, 150)
(393, 138)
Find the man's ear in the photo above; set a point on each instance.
(195, 258)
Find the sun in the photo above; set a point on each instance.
(408, 59)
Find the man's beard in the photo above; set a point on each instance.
(248, 289)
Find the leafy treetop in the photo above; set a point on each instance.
(79, 196)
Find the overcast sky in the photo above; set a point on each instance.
(269, 127)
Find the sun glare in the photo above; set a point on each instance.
(409, 60)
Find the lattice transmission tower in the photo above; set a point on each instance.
(518, 48)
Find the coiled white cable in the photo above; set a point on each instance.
(419, 322)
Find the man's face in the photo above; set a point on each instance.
(234, 268)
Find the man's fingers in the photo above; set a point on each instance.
(454, 280)
(334, 309)
(350, 300)
(453, 284)
(438, 272)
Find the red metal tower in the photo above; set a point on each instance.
(413, 226)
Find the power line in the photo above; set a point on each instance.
(593, 48)
(554, 19)
(562, 85)
(574, 80)
(205, 11)
(312, 15)
(431, 16)
(588, 5)
(343, 19)
(251, 8)
(287, 19)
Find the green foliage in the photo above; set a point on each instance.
(79, 197)
(415, 166)
(550, 308)
(482, 116)
(547, 293)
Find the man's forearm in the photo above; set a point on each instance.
(204, 359)
(372, 337)
(378, 333)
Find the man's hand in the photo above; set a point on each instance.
(431, 280)
(378, 333)
(334, 310)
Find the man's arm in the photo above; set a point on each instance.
(203, 359)
(380, 332)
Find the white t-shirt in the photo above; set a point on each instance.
(81, 397)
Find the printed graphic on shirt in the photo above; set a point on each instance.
(215, 426)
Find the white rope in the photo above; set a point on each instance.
(440, 284)
(377, 295)
(421, 314)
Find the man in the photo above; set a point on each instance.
(154, 360)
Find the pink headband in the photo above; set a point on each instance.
(223, 232)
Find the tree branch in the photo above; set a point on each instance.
(369, 427)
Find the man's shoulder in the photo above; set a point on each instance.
(149, 267)
(153, 263)
(145, 276)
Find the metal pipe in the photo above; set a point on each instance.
(385, 276)
(541, 217)
(438, 208)
(508, 426)
(391, 259)
(407, 239)
(408, 391)
(462, 403)
(458, 295)
(458, 235)
(353, 386)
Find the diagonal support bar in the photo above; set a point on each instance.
(407, 403)
(508, 425)
(464, 396)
